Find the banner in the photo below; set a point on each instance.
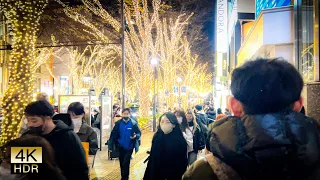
(106, 120)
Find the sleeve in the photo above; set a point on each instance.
(199, 170)
(188, 140)
(97, 121)
(93, 143)
(201, 141)
(137, 131)
(113, 136)
(76, 164)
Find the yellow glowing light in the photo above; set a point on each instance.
(23, 16)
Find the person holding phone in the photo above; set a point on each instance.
(125, 137)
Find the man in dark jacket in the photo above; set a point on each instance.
(69, 153)
(202, 119)
(211, 113)
(125, 135)
(267, 138)
(83, 130)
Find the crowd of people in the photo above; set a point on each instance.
(264, 135)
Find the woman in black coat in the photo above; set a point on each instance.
(168, 157)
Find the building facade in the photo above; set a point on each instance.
(278, 28)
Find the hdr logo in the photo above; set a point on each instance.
(25, 159)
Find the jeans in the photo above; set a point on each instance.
(124, 158)
(192, 157)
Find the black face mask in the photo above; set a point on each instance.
(36, 130)
(125, 118)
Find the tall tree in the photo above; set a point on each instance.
(24, 16)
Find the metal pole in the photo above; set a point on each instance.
(123, 57)
(154, 124)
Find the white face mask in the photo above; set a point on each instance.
(179, 119)
(77, 124)
(166, 128)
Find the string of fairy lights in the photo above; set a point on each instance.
(24, 16)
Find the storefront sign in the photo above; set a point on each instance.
(232, 19)
(266, 4)
(222, 26)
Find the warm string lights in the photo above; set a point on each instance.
(149, 35)
(24, 16)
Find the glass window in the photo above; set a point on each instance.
(306, 40)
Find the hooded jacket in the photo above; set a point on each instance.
(69, 152)
(283, 145)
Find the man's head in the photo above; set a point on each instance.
(126, 114)
(198, 108)
(265, 86)
(76, 110)
(39, 115)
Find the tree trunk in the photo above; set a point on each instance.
(24, 16)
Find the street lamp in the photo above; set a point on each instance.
(154, 62)
(179, 80)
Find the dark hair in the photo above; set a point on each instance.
(172, 118)
(266, 85)
(48, 168)
(303, 110)
(184, 124)
(211, 108)
(126, 109)
(199, 107)
(77, 108)
(219, 111)
(39, 108)
(116, 106)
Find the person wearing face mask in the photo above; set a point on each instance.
(68, 150)
(46, 170)
(198, 137)
(168, 156)
(125, 136)
(81, 128)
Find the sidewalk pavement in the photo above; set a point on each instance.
(110, 169)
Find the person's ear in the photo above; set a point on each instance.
(235, 106)
(297, 106)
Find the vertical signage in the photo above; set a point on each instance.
(222, 26)
(106, 121)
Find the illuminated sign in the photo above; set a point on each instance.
(233, 18)
(267, 4)
(222, 26)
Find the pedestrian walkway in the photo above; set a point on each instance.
(105, 169)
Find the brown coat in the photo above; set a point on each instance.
(211, 168)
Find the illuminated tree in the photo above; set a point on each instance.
(147, 34)
(24, 18)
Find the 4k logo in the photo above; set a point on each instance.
(25, 159)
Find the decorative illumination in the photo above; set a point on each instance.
(22, 59)
(150, 34)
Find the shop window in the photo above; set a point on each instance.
(306, 40)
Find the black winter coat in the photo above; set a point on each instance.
(168, 157)
(198, 139)
(278, 146)
(68, 150)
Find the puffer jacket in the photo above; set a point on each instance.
(283, 145)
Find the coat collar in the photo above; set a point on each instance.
(83, 129)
